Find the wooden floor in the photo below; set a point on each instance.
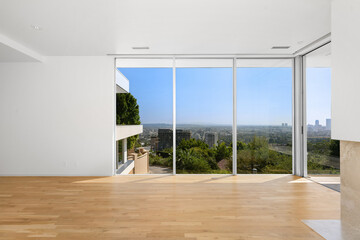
(163, 207)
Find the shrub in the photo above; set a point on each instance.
(127, 113)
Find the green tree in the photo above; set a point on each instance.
(240, 145)
(188, 160)
(127, 109)
(127, 113)
(222, 152)
(191, 143)
(335, 148)
(254, 155)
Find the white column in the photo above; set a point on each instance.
(234, 138)
(299, 119)
(174, 116)
(117, 154)
(124, 150)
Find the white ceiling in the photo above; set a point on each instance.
(100, 27)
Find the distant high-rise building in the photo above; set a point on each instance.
(197, 136)
(211, 139)
(317, 123)
(328, 124)
(182, 134)
(166, 137)
(154, 143)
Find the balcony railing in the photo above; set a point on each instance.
(137, 163)
(134, 162)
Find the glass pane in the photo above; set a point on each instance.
(204, 116)
(323, 152)
(264, 116)
(151, 88)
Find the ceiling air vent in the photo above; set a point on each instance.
(280, 47)
(139, 48)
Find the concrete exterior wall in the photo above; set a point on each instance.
(142, 164)
(350, 189)
(125, 131)
(122, 83)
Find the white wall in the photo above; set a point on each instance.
(346, 70)
(57, 117)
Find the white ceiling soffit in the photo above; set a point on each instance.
(98, 27)
(204, 63)
(144, 63)
(168, 63)
(8, 54)
(320, 58)
(200, 63)
(11, 51)
(261, 63)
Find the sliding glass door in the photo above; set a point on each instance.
(264, 116)
(150, 99)
(323, 153)
(204, 115)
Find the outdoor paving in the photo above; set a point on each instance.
(159, 170)
(332, 182)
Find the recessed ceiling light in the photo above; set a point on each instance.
(280, 47)
(36, 27)
(139, 48)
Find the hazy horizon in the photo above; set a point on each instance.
(209, 124)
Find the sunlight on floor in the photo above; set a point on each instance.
(191, 178)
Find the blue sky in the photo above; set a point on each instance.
(152, 87)
(204, 95)
(318, 91)
(264, 96)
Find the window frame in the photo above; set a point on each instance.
(297, 159)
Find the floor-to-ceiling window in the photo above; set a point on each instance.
(151, 91)
(204, 115)
(322, 151)
(264, 115)
(204, 97)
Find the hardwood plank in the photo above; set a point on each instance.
(163, 207)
